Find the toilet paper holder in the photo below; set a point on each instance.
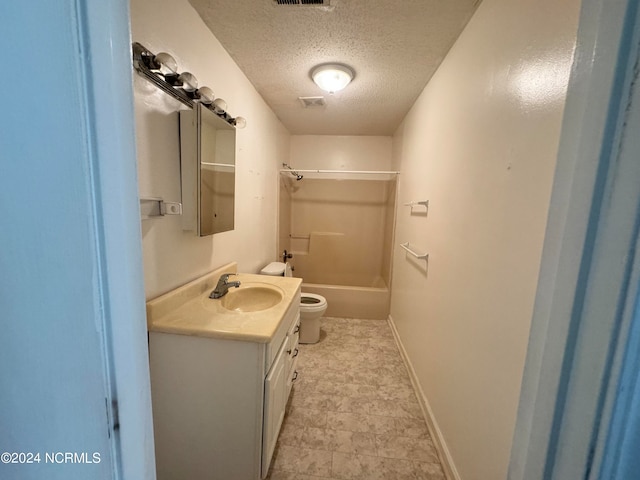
(153, 207)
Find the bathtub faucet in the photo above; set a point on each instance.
(223, 286)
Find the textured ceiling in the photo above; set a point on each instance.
(393, 46)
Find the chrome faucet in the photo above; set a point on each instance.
(223, 286)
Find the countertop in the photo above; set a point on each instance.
(188, 310)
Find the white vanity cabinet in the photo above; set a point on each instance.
(218, 403)
(277, 388)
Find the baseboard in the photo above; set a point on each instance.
(444, 455)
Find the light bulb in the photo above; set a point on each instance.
(206, 95)
(167, 63)
(220, 105)
(189, 81)
(240, 122)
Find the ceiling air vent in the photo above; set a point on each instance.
(308, 102)
(303, 3)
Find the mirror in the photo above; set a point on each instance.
(207, 162)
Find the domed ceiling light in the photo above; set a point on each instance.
(332, 77)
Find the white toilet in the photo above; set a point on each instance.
(312, 306)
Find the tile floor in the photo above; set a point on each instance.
(352, 412)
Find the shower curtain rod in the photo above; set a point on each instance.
(391, 172)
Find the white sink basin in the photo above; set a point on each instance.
(252, 297)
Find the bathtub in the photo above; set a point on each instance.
(353, 301)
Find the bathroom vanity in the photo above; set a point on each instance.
(221, 374)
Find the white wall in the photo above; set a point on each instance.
(480, 144)
(173, 257)
(335, 152)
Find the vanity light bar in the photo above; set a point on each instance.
(161, 70)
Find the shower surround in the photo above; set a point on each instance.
(340, 232)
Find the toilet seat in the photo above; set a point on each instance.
(310, 302)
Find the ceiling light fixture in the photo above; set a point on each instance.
(332, 77)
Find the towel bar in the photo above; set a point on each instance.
(423, 256)
(424, 203)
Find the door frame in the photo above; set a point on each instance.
(106, 30)
(588, 283)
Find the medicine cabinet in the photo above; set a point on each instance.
(207, 163)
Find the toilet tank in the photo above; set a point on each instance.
(275, 269)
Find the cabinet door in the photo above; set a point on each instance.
(275, 402)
